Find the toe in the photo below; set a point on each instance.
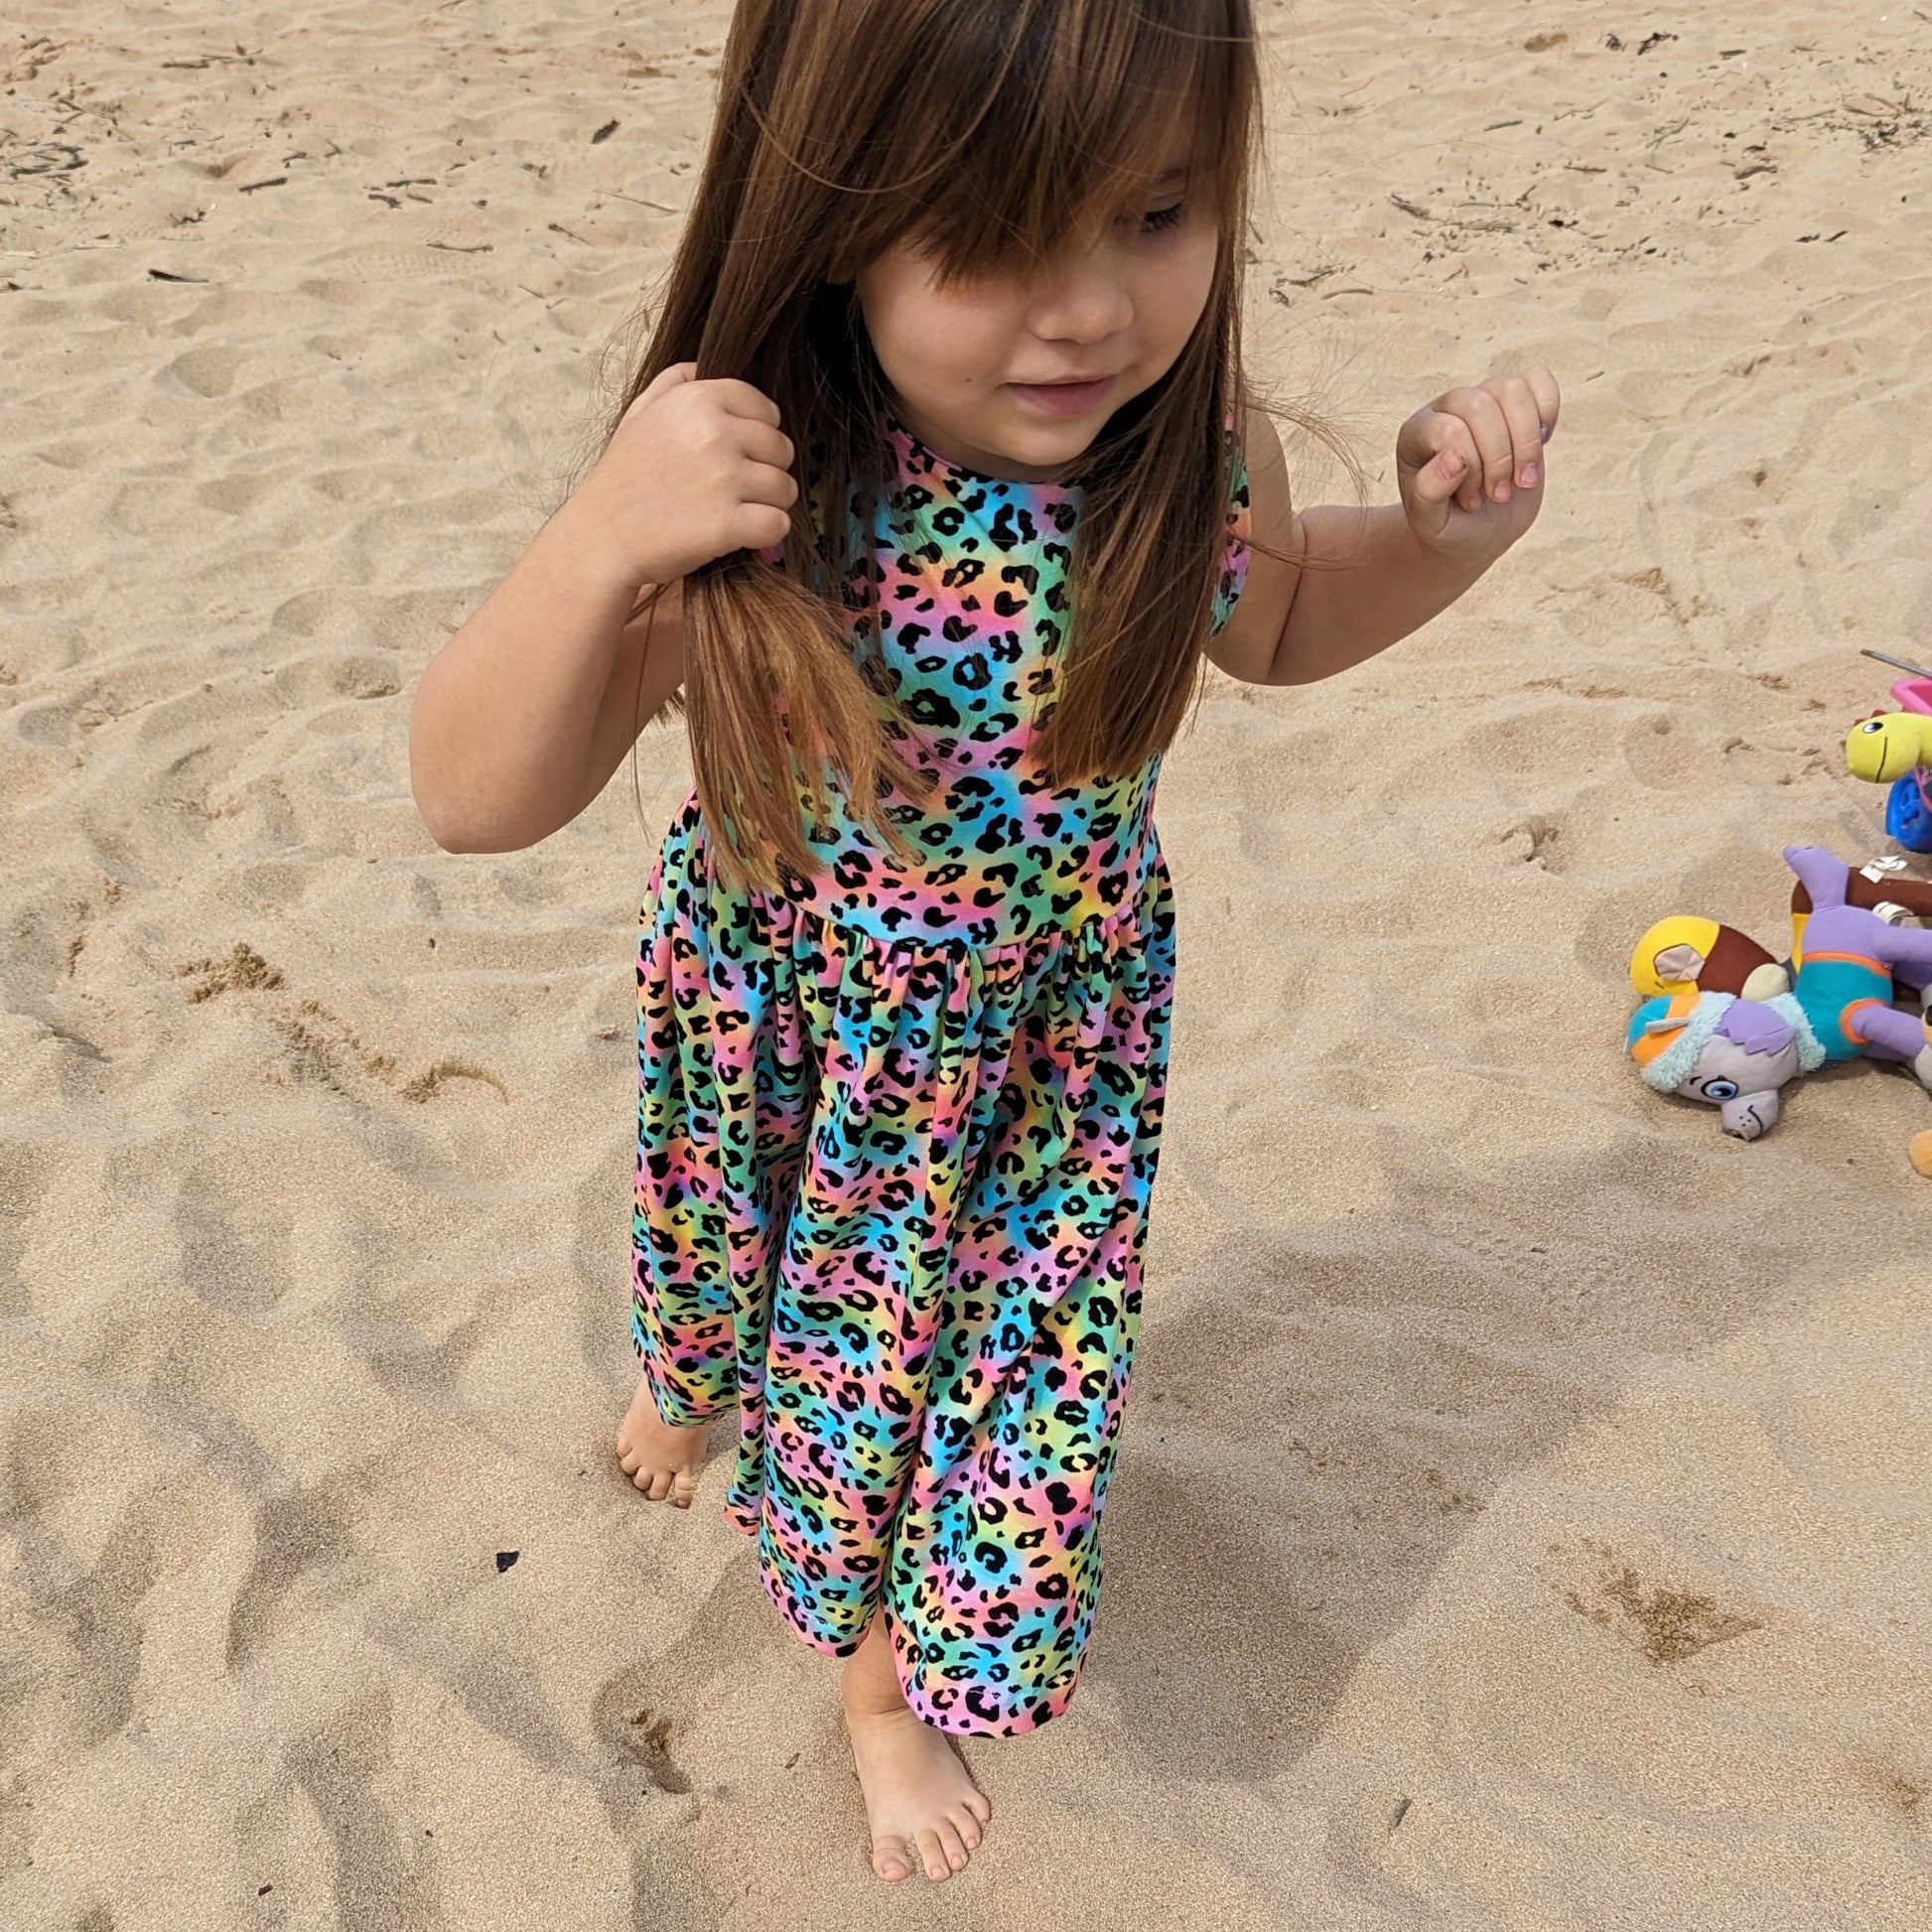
(967, 1826)
(980, 1806)
(888, 1862)
(660, 1485)
(953, 1845)
(684, 1488)
(932, 1858)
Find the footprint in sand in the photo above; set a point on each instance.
(1666, 1624)
(323, 1046)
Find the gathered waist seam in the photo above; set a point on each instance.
(1092, 932)
(1089, 933)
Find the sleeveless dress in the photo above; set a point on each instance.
(897, 1131)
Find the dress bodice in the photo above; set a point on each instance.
(971, 593)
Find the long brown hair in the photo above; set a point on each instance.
(987, 131)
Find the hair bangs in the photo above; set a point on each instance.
(1019, 124)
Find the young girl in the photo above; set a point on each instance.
(935, 485)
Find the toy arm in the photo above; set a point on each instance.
(1821, 872)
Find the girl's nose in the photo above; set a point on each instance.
(1082, 297)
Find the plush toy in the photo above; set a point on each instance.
(1879, 885)
(1738, 1053)
(1919, 1149)
(1690, 954)
(1894, 747)
(1687, 954)
(1887, 745)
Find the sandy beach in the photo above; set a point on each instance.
(1525, 1514)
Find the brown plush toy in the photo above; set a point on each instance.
(1687, 954)
(1881, 887)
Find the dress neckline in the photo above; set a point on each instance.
(915, 455)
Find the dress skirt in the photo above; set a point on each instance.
(892, 1203)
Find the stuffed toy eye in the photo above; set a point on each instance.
(1875, 725)
(1721, 1090)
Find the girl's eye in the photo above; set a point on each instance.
(1156, 220)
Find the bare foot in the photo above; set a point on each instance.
(661, 1461)
(920, 1800)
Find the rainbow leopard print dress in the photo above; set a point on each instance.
(897, 1133)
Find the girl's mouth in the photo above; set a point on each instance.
(1064, 398)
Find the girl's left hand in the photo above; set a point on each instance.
(1470, 464)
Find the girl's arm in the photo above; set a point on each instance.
(1471, 468)
(521, 719)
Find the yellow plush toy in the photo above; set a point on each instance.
(1883, 748)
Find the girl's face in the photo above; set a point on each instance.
(1016, 374)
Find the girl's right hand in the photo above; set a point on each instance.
(695, 471)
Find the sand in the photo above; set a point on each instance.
(1523, 1516)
